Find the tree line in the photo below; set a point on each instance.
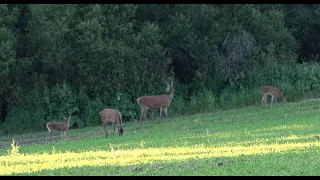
(63, 59)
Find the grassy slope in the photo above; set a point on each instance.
(278, 140)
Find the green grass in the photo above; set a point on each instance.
(282, 140)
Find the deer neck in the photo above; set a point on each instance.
(171, 93)
(68, 123)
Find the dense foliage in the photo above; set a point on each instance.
(77, 59)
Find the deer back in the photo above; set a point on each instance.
(270, 90)
(157, 101)
(111, 115)
(274, 91)
(60, 126)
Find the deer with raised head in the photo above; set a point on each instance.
(111, 116)
(63, 127)
(161, 102)
(272, 91)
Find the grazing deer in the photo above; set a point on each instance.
(111, 116)
(272, 91)
(161, 102)
(63, 127)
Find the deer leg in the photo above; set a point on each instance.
(52, 135)
(272, 99)
(65, 133)
(49, 134)
(119, 129)
(263, 99)
(145, 114)
(105, 129)
(166, 111)
(114, 127)
(160, 116)
(141, 114)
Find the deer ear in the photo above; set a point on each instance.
(171, 83)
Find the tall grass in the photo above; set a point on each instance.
(279, 140)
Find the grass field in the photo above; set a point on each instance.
(283, 140)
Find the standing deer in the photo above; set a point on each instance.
(272, 91)
(161, 102)
(63, 127)
(111, 116)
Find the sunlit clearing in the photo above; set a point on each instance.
(24, 163)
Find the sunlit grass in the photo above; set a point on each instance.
(34, 163)
(282, 140)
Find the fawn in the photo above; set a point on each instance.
(272, 91)
(63, 127)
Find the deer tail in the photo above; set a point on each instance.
(138, 101)
(47, 125)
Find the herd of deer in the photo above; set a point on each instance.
(161, 102)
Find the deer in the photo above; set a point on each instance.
(272, 91)
(63, 127)
(161, 102)
(111, 116)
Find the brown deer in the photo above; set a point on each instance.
(161, 102)
(272, 91)
(111, 116)
(63, 127)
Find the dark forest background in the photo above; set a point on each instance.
(61, 59)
